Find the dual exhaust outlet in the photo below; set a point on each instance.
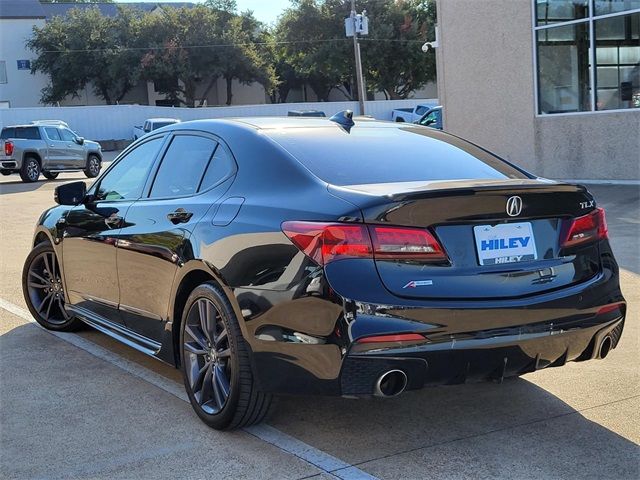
(390, 384)
(393, 382)
(605, 347)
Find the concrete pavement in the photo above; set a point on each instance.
(65, 413)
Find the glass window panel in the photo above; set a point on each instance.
(555, 11)
(618, 62)
(183, 166)
(563, 69)
(603, 7)
(126, 179)
(220, 166)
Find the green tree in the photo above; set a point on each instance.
(85, 48)
(76, 1)
(313, 45)
(392, 56)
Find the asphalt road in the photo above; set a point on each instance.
(110, 412)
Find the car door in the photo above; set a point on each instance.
(74, 152)
(57, 155)
(90, 232)
(195, 170)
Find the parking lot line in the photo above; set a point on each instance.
(331, 465)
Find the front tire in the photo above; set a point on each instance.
(92, 169)
(43, 290)
(30, 170)
(215, 363)
(50, 175)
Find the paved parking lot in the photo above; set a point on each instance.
(84, 406)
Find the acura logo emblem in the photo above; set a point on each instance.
(514, 206)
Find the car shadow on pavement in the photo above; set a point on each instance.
(512, 430)
(17, 186)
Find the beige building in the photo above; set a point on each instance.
(516, 77)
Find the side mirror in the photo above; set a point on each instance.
(80, 140)
(70, 193)
(147, 129)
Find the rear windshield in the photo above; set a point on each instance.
(389, 155)
(27, 133)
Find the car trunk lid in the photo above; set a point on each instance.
(492, 252)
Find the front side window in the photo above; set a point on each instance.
(126, 180)
(183, 166)
(67, 135)
(52, 133)
(588, 55)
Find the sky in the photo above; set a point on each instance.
(264, 10)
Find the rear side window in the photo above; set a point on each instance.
(220, 167)
(389, 154)
(8, 133)
(52, 133)
(183, 166)
(26, 133)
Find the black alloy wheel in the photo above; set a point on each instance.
(43, 290)
(215, 363)
(207, 356)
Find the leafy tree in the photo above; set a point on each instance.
(313, 45)
(182, 49)
(392, 54)
(85, 48)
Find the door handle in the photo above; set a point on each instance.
(179, 215)
(113, 221)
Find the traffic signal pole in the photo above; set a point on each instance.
(356, 52)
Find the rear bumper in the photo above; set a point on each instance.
(483, 356)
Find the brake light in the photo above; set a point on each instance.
(588, 228)
(405, 243)
(8, 148)
(326, 242)
(398, 337)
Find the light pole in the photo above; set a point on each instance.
(358, 60)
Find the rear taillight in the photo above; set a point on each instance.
(326, 242)
(585, 229)
(8, 148)
(406, 243)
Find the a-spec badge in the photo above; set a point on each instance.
(418, 283)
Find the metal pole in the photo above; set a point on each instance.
(356, 53)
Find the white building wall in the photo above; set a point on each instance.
(115, 122)
(22, 89)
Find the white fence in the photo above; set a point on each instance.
(115, 122)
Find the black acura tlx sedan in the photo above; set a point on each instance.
(268, 256)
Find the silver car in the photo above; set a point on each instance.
(49, 148)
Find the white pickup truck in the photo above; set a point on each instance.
(411, 115)
(152, 124)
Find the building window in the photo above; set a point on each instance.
(573, 36)
(3, 71)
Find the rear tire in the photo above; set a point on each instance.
(215, 363)
(50, 175)
(43, 290)
(30, 170)
(92, 168)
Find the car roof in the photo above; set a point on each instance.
(263, 123)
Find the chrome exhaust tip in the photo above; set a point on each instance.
(391, 384)
(605, 347)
